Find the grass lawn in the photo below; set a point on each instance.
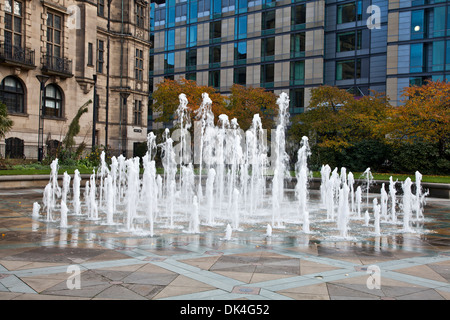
(41, 170)
(399, 177)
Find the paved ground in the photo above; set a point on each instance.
(38, 260)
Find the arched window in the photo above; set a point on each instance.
(53, 101)
(52, 148)
(12, 94)
(14, 148)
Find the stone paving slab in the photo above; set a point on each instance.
(37, 261)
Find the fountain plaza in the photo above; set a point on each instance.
(245, 229)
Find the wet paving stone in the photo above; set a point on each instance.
(35, 257)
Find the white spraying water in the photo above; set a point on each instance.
(36, 210)
(240, 191)
(407, 205)
(376, 215)
(76, 192)
(63, 221)
(301, 188)
(392, 192)
(228, 232)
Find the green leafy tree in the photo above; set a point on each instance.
(5, 122)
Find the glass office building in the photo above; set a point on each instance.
(418, 44)
(296, 45)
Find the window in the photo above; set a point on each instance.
(214, 79)
(297, 75)
(438, 56)
(13, 25)
(240, 75)
(160, 16)
(137, 113)
(268, 20)
(240, 28)
(100, 55)
(349, 12)
(169, 62)
(417, 24)
(349, 41)
(204, 7)
(181, 12)
(217, 8)
(53, 147)
(214, 56)
(101, 8)
(348, 69)
(193, 11)
(54, 35)
(89, 55)
(416, 60)
(191, 59)
(170, 39)
(240, 52)
(296, 100)
(242, 6)
(298, 45)
(215, 30)
(439, 22)
(298, 15)
(267, 75)
(268, 48)
(192, 36)
(228, 5)
(139, 65)
(52, 101)
(12, 94)
(140, 15)
(14, 148)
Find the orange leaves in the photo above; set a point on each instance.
(242, 104)
(425, 113)
(166, 98)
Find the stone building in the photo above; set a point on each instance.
(83, 49)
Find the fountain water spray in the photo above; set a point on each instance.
(210, 194)
(36, 209)
(376, 215)
(63, 218)
(66, 186)
(407, 205)
(281, 157)
(236, 190)
(392, 192)
(301, 188)
(194, 223)
(76, 192)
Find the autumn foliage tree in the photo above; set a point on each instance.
(241, 104)
(424, 115)
(244, 102)
(166, 98)
(336, 120)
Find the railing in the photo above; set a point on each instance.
(17, 55)
(61, 66)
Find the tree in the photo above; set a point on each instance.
(5, 122)
(74, 127)
(337, 120)
(244, 102)
(166, 98)
(424, 115)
